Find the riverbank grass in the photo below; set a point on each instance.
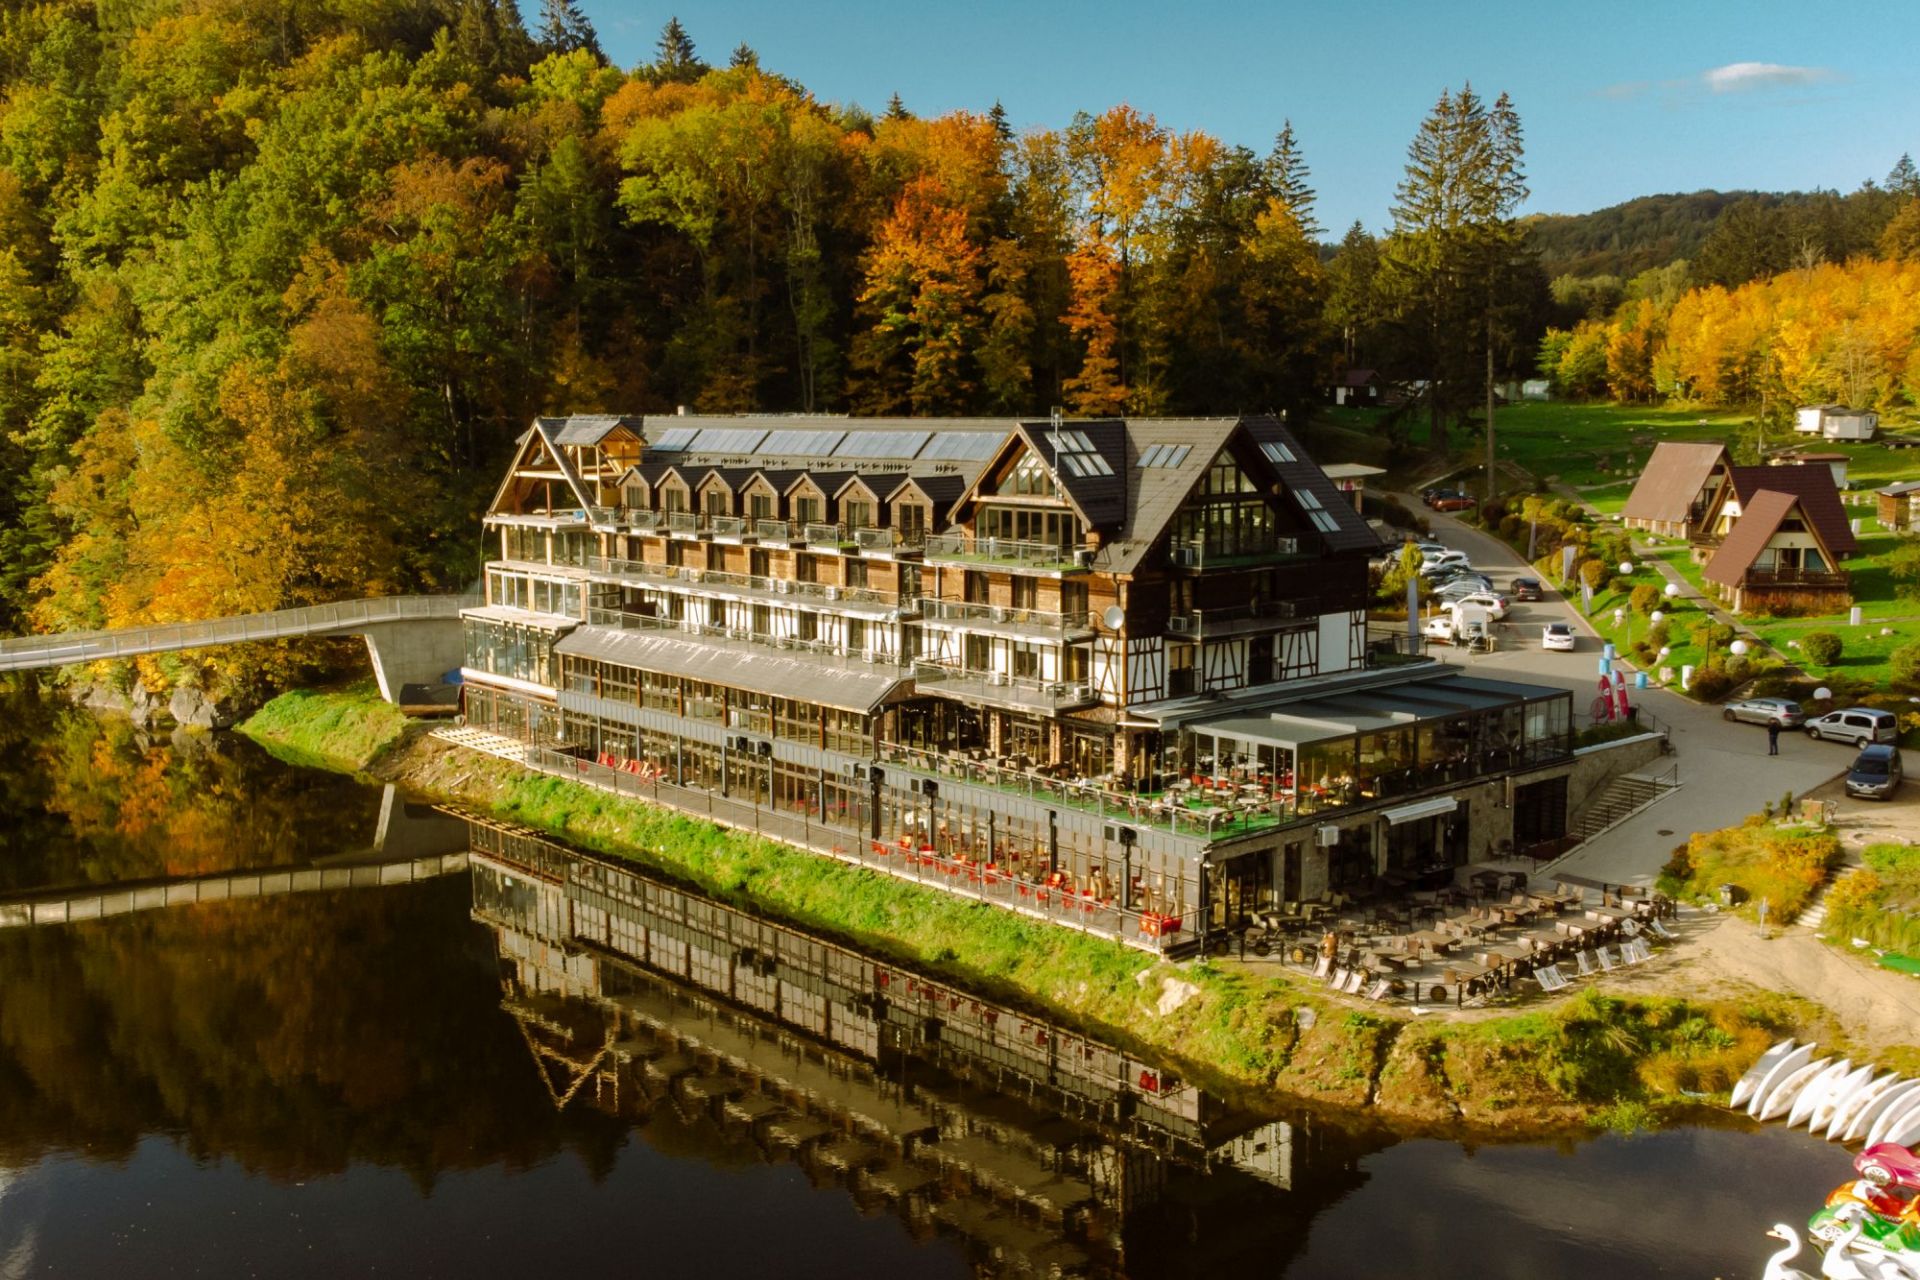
(1779, 864)
(344, 729)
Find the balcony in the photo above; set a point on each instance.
(965, 549)
(1195, 555)
(773, 531)
(685, 524)
(1243, 619)
(1799, 579)
(738, 640)
(823, 535)
(642, 520)
(1006, 620)
(729, 528)
(711, 582)
(889, 541)
(1002, 690)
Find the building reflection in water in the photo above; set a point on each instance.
(1044, 1150)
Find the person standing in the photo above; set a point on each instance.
(1773, 737)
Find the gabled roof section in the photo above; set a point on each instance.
(1760, 518)
(1673, 478)
(1155, 493)
(1089, 463)
(531, 440)
(827, 482)
(1341, 527)
(941, 491)
(875, 486)
(1812, 483)
(734, 478)
(588, 429)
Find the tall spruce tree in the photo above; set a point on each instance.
(1289, 178)
(564, 28)
(675, 61)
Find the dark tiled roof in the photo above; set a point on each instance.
(1673, 478)
(586, 428)
(1351, 532)
(1812, 483)
(1095, 480)
(942, 491)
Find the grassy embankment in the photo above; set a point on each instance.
(1779, 863)
(1590, 1059)
(1880, 902)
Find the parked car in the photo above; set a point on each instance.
(1496, 606)
(1527, 589)
(1781, 711)
(1438, 629)
(1440, 560)
(1858, 725)
(1876, 773)
(1454, 500)
(1557, 635)
(1463, 584)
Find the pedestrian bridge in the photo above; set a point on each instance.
(412, 639)
(412, 843)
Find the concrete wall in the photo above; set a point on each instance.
(418, 651)
(1596, 766)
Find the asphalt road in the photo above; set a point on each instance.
(1725, 772)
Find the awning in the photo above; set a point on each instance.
(848, 687)
(1424, 809)
(554, 622)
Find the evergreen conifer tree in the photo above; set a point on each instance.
(676, 61)
(1287, 175)
(896, 109)
(564, 28)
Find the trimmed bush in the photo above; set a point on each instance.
(1645, 599)
(1905, 662)
(1822, 647)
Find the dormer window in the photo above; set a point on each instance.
(859, 513)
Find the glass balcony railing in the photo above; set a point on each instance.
(754, 584)
(640, 518)
(965, 548)
(1197, 555)
(685, 521)
(740, 639)
(773, 530)
(830, 535)
(1003, 689)
(1004, 615)
(727, 526)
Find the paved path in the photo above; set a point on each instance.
(1724, 768)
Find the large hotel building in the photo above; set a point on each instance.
(1115, 673)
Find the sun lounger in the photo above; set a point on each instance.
(1339, 979)
(1605, 956)
(1659, 928)
(1636, 951)
(1322, 966)
(1378, 991)
(1550, 978)
(1585, 959)
(1630, 927)
(1354, 980)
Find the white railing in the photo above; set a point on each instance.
(26, 653)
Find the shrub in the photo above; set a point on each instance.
(1662, 634)
(1905, 663)
(1711, 684)
(1822, 647)
(1645, 599)
(1593, 573)
(1738, 669)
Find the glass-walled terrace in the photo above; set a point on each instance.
(1308, 757)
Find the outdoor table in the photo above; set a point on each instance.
(1514, 914)
(1468, 928)
(1393, 960)
(1504, 956)
(1460, 972)
(1431, 940)
(1609, 913)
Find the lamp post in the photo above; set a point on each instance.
(1738, 648)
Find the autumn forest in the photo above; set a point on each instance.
(280, 280)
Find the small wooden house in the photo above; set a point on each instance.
(1681, 482)
(1898, 506)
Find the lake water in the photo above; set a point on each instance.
(491, 1058)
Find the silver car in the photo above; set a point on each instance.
(1778, 711)
(1858, 725)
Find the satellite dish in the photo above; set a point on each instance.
(1115, 617)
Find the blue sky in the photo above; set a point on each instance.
(1619, 99)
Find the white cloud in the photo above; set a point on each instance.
(1739, 77)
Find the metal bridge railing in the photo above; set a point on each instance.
(25, 653)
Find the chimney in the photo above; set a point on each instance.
(679, 411)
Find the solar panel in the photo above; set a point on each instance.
(674, 440)
(962, 446)
(882, 444)
(805, 443)
(727, 440)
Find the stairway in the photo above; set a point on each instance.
(1814, 914)
(1624, 797)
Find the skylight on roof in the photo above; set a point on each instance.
(1164, 456)
(1321, 517)
(1277, 452)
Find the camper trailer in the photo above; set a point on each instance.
(1836, 422)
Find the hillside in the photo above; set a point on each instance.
(1626, 239)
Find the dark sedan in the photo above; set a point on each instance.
(1526, 589)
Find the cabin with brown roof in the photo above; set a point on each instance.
(1681, 483)
(1781, 552)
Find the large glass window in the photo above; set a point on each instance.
(1029, 478)
(1052, 527)
(508, 649)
